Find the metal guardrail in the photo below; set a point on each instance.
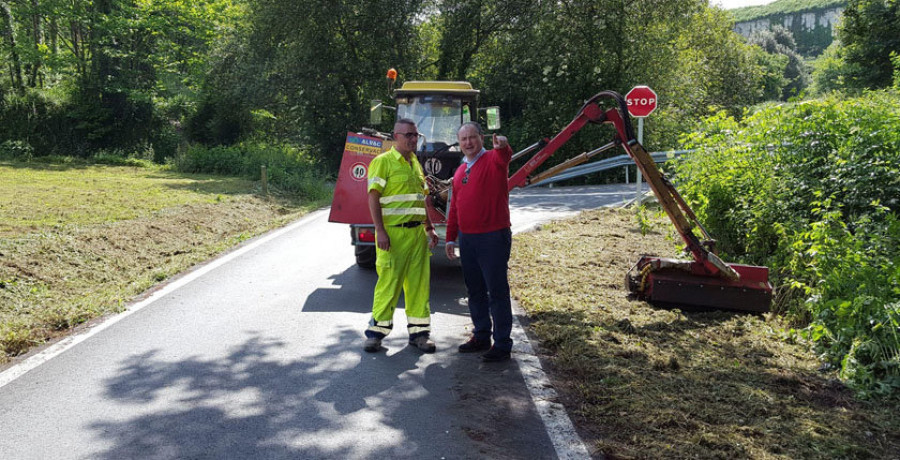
(607, 163)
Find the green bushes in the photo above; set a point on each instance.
(847, 272)
(39, 120)
(289, 169)
(79, 124)
(812, 190)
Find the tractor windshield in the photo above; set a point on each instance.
(437, 117)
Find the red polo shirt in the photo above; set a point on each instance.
(481, 204)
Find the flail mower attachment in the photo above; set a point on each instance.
(706, 281)
(673, 282)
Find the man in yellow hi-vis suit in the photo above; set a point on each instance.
(402, 258)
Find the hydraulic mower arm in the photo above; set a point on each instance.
(705, 281)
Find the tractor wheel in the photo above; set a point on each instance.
(365, 256)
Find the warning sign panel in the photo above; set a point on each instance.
(350, 202)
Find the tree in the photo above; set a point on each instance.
(8, 29)
(320, 62)
(779, 41)
(832, 72)
(870, 32)
(467, 25)
(686, 51)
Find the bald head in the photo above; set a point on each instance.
(470, 139)
(406, 136)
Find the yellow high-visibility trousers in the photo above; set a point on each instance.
(407, 267)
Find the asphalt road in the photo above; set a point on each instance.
(259, 355)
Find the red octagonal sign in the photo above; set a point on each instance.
(641, 101)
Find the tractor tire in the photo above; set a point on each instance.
(365, 256)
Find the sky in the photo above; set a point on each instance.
(729, 4)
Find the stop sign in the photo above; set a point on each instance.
(641, 101)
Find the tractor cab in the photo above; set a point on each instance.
(438, 108)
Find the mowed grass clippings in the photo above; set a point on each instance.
(40, 197)
(646, 382)
(62, 264)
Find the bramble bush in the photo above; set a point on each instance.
(812, 190)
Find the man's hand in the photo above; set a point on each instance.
(383, 241)
(500, 141)
(450, 250)
(432, 238)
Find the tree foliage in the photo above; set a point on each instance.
(870, 32)
(103, 66)
(314, 69)
(468, 25)
(314, 65)
(573, 49)
(132, 73)
(780, 41)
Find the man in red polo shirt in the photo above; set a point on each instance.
(478, 222)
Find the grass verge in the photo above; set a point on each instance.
(646, 382)
(79, 242)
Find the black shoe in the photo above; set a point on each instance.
(474, 345)
(494, 356)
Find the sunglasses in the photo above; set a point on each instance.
(411, 135)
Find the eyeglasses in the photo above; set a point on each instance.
(411, 135)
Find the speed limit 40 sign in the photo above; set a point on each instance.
(641, 101)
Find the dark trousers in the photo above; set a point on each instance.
(485, 258)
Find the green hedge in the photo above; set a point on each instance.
(812, 189)
(289, 169)
(61, 122)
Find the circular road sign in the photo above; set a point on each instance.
(641, 101)
(358, 171)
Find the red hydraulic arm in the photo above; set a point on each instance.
(670, 200)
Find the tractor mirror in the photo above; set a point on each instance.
(375, 110)
(493, 118)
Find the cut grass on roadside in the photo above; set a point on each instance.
(79, 242)
(646, 382)
(40, 197)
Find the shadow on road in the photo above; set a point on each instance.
(275, 408)
(351, 291)
(340, 403)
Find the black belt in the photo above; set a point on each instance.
(410, 224)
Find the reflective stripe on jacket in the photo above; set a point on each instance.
(402, 187)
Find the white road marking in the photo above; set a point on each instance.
(565, 439)
(20, 369)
